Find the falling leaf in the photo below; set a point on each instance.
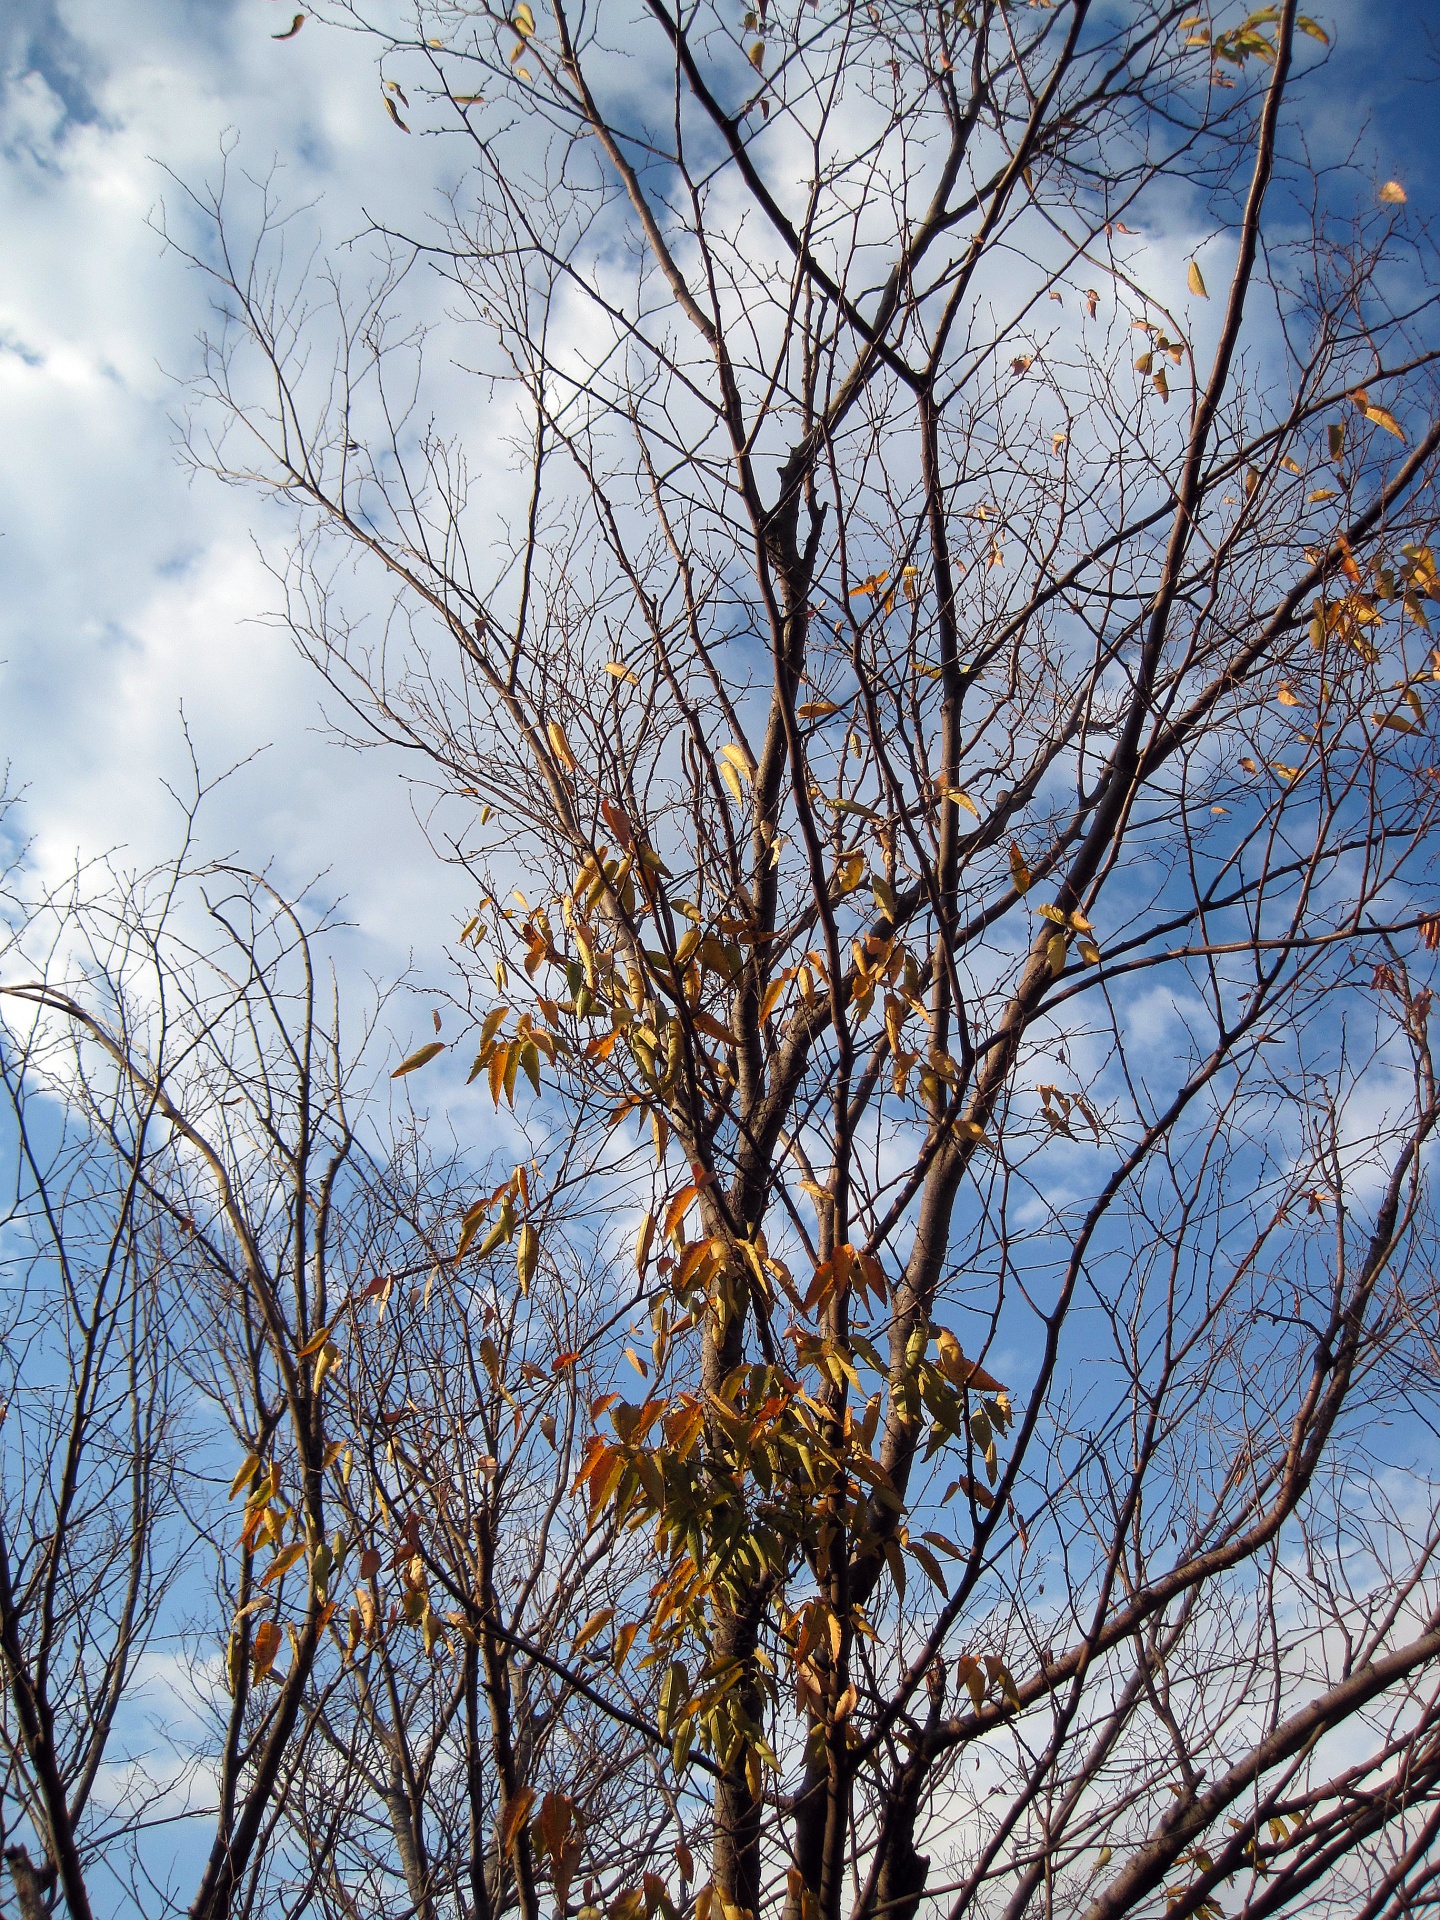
(419, 1058)
(1393, 194)
(298, 22)
(1197, 281)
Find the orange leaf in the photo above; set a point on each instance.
(677, 1210)
(267, 1645)
(516, 1813)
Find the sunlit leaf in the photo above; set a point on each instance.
(421, 1057)
(1393, 194)
(1196, 281)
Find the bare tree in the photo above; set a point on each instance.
(967, 800)
(200, 1200)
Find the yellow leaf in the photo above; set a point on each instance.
(732, 781)
(817, 709)
(1384, 418)
(617, 670)
(1289, 465)
(1287, 696)
(597, 1623)
(527, 1253)
(1313, 28)
(643, 1241)
(560, 746)
(757, 56)
(1394, 722)
(1321, 493)
(960, 800)
(1393, 194)
(1018, 869)
(1161, 384)
(1197, 281)
(420, 1058)
(524, 19)
(249, 1467)
(1145, 363)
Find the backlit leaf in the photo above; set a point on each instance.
(267, 1644)
(1197, 281)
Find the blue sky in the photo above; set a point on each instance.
(129, 592)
